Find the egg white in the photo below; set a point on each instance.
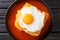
(38, 16)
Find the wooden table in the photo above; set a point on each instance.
(54, 5)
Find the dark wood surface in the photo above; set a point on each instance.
(54, 5)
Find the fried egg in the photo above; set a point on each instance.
(29, 19)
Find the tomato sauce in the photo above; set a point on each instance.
(11, 15)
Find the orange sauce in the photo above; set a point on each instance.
(20, 35)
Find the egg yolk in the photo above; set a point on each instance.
(27, 18)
